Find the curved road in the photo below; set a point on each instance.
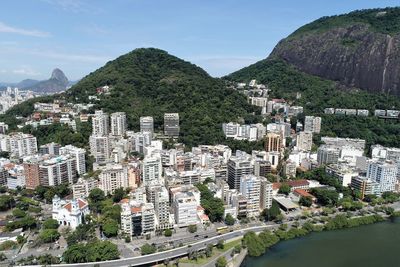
(169, 254)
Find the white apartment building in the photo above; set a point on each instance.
(304, 141)
(312, 124)
(151, 170)
(112, 177)
(171, 124)
(384, 173)
(237, 168)
(58, 170)
(250, 186)
(266, 193)
(327, 154)
(83, 187)
(79, 154)
(19, 144)
(100, 123)
(389, 153)
(158, 195)
(141, 140)
(137, 218)
(3, 128)
(100, 148)
(185, 209)
(118, 123)
(147, 125)
(342, 172)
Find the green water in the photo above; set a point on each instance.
(376, 245)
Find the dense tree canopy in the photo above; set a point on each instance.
(213, 206)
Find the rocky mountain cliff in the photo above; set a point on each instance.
(360, 49)
(58, 82)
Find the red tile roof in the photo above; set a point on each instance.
(136, 209)
(304, 193)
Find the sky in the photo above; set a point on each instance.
(79, 36)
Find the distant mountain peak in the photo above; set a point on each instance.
(59, 75)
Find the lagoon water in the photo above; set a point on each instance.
(376, 245)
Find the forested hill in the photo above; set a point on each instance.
(150, 82)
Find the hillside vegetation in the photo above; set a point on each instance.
(382, 20)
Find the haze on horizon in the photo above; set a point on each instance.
(79, 36)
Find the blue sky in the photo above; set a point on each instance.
(80, 36)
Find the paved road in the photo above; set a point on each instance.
(170, 254)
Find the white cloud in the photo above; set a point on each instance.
(74, 6)
(26, 71)
(10, 29)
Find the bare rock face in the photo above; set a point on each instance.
(354, 55)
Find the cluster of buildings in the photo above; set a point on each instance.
(393, 114)
(250, 132)
(162, 181)
(13, 96)
(347, 111)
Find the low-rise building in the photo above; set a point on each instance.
(69, 212)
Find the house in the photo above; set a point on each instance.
(70, 212)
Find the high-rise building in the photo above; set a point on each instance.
(50, 148)
(327, 155)
(185, 209)
(273, 142)
(290, 168)
(365, 186)
(171, 124)
(262, 168)
(147, 125)
(58, 170)
(49, 171)
(158, 195)
(141, 141)
(31, 171)
(3, 176)
(100, 123)
(266, 192)
(250, 188)
(100, 148)
(113, 177)
(19, 144)
(78, 154)
(151, 170)
(237, 168)
(312, 124)
(83, 187)
(118, 123)
(304, 141)
(384, 173)
(3, 128)
(137, 218)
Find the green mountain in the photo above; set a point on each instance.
(150, 82)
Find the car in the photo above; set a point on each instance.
(196, 236)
